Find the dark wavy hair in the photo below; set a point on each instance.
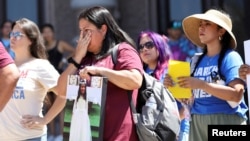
(4, 22)
(160, 42)
(47, 25)
(80, 93)
(2, 25)
(101, 16)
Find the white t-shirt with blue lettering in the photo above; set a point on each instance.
(205, 103)
(37, 77)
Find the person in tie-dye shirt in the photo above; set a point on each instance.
(182, 49)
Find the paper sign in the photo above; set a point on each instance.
(248, 89)
(84, 110)
(247, 49)
(247, 61)
(72, 87)
(177, 69)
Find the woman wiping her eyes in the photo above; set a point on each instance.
(99, 33)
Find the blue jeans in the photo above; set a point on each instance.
(42, 138)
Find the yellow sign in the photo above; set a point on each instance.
(175, 70)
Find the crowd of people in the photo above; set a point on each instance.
(31, 68)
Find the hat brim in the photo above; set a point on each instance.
(191, 28)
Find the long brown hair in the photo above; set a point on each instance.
(80, 92)
(31, 30)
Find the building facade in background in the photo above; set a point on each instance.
(132, 15)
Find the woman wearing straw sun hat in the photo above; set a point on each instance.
(217, 89)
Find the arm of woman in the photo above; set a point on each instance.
(60, 90)
(9, 75)
(33, 122)
(80, 52)
(67, 48)
(126, 79)
(233, 92)
(57, 106)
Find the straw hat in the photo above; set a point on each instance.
(191, 25)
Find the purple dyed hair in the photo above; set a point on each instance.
(162, 47)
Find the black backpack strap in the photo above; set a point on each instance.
(114, 54)
(131, 103)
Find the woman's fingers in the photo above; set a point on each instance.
(84, 74)
(185, 82)
(243, 71)
(81, 34)
(32, 122)
(82, 44)
(168, 82)
(27, 121)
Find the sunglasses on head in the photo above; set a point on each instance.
(16, 34)
(147, 45)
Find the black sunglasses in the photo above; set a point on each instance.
(148, 45)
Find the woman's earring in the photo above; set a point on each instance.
(220, 38)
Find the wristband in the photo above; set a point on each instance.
(71, 60)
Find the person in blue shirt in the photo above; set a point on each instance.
(216, 86)
(6, 27)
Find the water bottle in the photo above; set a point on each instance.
(151, 102)
(187, 113)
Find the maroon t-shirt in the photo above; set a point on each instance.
(5, 58)
(118, 123)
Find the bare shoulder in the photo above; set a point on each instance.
(64, 46)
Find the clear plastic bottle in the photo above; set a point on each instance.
(151, 102)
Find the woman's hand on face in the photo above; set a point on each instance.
(82, 45)
(32, 122)
(86, 72)
(190, 82)
(168, 82)
(243, 71)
